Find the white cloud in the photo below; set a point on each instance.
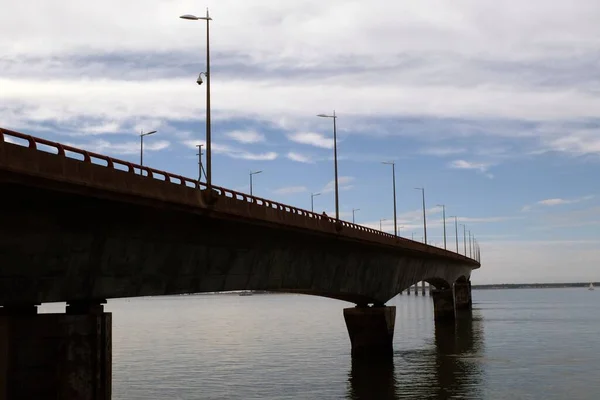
(462, 164)
(480, 167)
(126, 148)
(443, 151)
(577, 142)
(290, 190)
(344, 183)
(233, 152)
(556, 202)
(440, 67)
(299, 157)
(313, 139)
(246, 137)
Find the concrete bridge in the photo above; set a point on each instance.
(81, 227)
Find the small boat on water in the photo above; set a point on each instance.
(591, 287)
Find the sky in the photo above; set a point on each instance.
(492, 107)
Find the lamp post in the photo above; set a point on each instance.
(393, 164)
(142, 134)
(253, 173)
(464, 237)
(199, 81)
(455, 231)
(470, 245)
(353, 210)
(312, 201)
(200, 167)
(400, 230)
(444, 216)
(424, 220)
(334, 117)
(380, 221)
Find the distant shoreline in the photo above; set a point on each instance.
(535, 285)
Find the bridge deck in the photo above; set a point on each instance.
(66, 168)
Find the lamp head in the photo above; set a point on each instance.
(190, 17)
(199, 80)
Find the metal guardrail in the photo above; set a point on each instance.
(151, 173)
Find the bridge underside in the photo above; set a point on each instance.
(62, 246)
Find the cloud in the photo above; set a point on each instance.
(486, 219)
(126, 148)
(344, 183)
(246, 137)
(298, 63)
(312, 139)
(462, 164)
(578, 141)
(480, 167)
(443, 151)
(234, 152)
(290, 190)
(299, 157)
(556, 202)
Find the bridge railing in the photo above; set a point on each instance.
(35, 143)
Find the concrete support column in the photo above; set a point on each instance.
(55, 356)
(444, 307)
(423, 288)
(462, 294)
(371, 330)
(408, 290)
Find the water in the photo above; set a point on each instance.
(520, 344)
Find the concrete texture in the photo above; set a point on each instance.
(55, 356)
(462, 295)
(371, 330)
(78, 230)
(444, 306)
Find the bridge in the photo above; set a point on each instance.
(80, 227)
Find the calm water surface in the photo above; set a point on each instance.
(520, 344)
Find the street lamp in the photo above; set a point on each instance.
(142, 134)
(312, 196)
(334, 117)
(380, 221)
(455, 231)
(253, 173)
(200, 167)
(199, 81)
(424, 220)
(400, 230)
(470, 247)
(444, 214)
(393, 164)
(464, 237)
(353, 210)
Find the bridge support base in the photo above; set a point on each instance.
(444, 307)
(462, 295)
(55, 356)
(371, 330)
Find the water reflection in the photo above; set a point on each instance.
(449, 368)
(373, 379)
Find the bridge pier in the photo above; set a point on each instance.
(55, 356)
(462, 295)
(371, 330)
(444, 305)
